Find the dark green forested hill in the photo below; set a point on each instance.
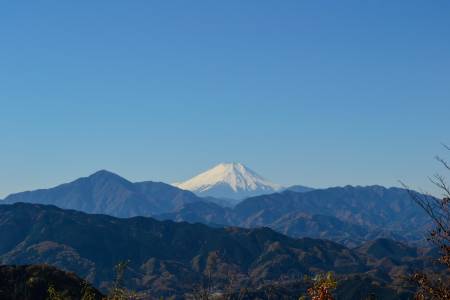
(168, 258)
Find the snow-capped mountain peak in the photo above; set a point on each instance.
(231, 181)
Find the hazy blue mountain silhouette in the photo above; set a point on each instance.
(349, 214)
(300, 188)
(108, 193)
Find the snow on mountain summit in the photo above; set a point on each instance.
(231, 181)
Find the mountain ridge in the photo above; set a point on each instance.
(108, 193)
(349, 215)
(168, 258)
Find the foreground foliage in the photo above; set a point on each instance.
(322, 287)
(436, 286)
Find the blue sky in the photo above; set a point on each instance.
(320, 93)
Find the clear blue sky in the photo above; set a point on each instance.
(319, 93)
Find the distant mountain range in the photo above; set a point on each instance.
(107, 193)
(348, 215)
(170, 259)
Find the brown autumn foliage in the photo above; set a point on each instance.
(322, 287)
(436, 286)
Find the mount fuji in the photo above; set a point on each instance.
(232, 181)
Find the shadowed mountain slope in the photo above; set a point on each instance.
(31, 282)
(350, 215)
(168, 258)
